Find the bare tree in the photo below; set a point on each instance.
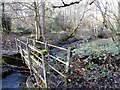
(108, 18)
(119, 20)
(66, 5)
(6, 20)
(37, 20)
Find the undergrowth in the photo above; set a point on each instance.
(96, 66)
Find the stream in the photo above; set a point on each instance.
(17, 79)
(14, 80)
(12, 76)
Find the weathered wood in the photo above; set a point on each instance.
(37, 62)
(52, 45)
(39, 75)
(57, 59)
(35, 49)
(36, 80)
(68, 60)
(34, 43)
(43, 63)
(56, 71)
(25, 51)
(21, 52)
(16, 44)
(49, 44)
(46, 46)
(44, 71)
(30, 61)
(37, 56)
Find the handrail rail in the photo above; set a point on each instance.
(57, 59)
(29, 51)
(50, 45)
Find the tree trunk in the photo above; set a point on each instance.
(37, 22)
(43, 19)
(119, 21)
(3, 16)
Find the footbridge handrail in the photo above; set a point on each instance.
(40, 64)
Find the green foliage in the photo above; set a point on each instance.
(65, 81)
(44, 51)
(55, 24)
(94, 51)
(96, 64)
(90, 65)
(23, 30)
(25, 88)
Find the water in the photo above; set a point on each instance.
(72, 44)
(12, 77)
(15, 80)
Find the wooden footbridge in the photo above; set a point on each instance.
(48, 70)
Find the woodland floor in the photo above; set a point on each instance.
(93, 65)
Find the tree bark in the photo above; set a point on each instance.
(43, 19)
(3, 15)
(119, 20)
(37, 22)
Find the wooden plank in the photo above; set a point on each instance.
(57, 71)
(57, 59)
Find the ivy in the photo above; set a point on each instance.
(96, 64)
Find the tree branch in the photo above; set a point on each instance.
(66, 5)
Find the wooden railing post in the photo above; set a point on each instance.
(27, 40)
(46, 46)
(67, 65)
(21, 51)
(68, 59)
(34, 43)
(16, 45)
(44, 70)
(30, 61)
(46, 63)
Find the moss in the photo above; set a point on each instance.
(44, 51)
